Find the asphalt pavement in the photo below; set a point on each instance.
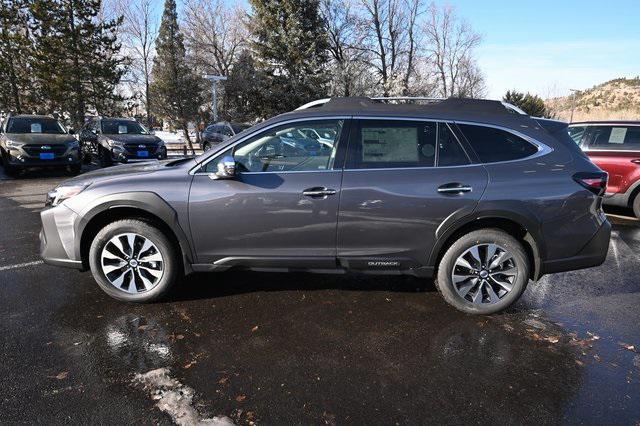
(257, 348)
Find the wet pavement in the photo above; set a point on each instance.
(311, 349)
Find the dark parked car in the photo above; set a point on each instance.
(470, 192)
(123, 140)
(217, 133)
(615, 147)
(37, 141)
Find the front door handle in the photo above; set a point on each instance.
(454, 188)
(318, 192)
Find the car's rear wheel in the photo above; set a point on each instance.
(483, 272)
(133, 261)
(636, 205)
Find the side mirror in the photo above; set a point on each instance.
(226, 168)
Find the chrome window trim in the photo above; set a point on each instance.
(542, 148)
(194, 170)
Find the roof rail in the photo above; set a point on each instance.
(319, 102)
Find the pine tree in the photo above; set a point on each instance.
(291, 48)
(531, 104)
(76, 58)
(16, 85)
(242, 91)
(176, 90)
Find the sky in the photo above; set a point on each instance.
(548, 47)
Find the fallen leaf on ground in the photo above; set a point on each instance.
(627, 346)
(553, 339)
(580, 363)
(241, 398)
(63, 375)
(254, 328)
(223, 381)
(190, 364)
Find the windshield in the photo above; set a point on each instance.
(122, 127)
(35, 125)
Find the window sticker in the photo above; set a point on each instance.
(36, 128)
(390, 144)
(617, 134)
(122, 129)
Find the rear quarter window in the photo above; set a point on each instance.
(493, 145)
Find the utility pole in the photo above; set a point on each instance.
(214, 100)
(573, 102)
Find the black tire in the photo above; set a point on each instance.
(104, 157)
(444, 280)
(170, 263)
(636, 205)
(75, 169)
(9, 169)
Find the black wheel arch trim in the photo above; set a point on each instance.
(454, 223)
(149, 202)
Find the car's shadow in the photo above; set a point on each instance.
(221, 284)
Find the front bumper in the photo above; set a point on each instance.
(21, 158)
(127, 154)
(594, 253)
(58, 243)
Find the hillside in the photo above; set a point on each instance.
(617, 99)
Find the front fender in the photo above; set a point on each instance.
(150, 202)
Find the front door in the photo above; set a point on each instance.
(281, 207)
(402, 180)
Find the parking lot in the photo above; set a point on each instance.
(311, 349)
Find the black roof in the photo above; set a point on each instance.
(462, 109)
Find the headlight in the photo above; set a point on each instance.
(113, 143)
(73, 144)
(64, 192)
(12, 144)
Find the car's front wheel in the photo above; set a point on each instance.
(636, 206)
(483, 272)
(133, 261)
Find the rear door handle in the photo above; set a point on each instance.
(318, 192)
(454, 188)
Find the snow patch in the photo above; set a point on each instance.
(175, 399)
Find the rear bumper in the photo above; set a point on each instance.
(58, 243)
(592, 254)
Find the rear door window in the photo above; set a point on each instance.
(614, 138)
(493, 145)
(392, 144)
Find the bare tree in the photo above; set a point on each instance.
(139, 32)
(215, 34)
(450, 44)
(349, 69)
(391, 42)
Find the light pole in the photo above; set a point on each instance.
(573, 102)
(214, 101)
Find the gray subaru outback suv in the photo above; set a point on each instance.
(469, 192)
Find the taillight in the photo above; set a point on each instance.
(595, 182)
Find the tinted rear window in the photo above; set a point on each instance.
(614, 138)
(493, 145)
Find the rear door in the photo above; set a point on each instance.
(612, 148)
(402, 180)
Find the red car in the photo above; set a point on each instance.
(614, 146)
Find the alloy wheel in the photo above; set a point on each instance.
(484, 274)
(132, 263)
